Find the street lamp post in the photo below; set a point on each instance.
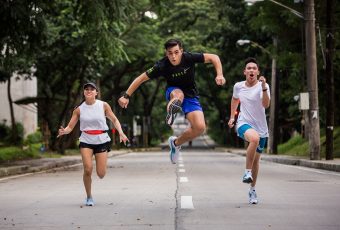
(272, 140)
(312, 81)
(311, 66)
(297, 13)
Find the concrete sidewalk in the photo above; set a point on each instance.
(330, 165)
(45, 164)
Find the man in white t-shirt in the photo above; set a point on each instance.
(254, 96)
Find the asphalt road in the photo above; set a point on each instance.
(144, 191)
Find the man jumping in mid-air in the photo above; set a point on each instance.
(178, 68)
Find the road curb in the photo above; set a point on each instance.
(46, 164)
(332, 165)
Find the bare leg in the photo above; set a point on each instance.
(101, 162)
(253, 138)
(197, 127)
(86, 155)
(255, 169)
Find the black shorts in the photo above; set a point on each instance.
(105, 147)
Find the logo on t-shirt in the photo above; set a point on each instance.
(186, 69)
(150, 70)
(179, 74)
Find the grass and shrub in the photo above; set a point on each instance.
(13, 153)
(299, 146)
(30, 149)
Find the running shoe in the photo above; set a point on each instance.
(247, 178)
(174, 108)
(89, 202)
(174, 150)
(252, 196)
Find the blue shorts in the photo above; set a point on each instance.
(188, 104)
(262, 142)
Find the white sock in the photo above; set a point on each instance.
(252, 188)
(248, 171)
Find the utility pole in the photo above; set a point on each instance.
(330, 37)
(272, 140)
(312, 81)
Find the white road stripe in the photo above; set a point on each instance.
(183, 179)
(181, 165)
(186, 202)
(181, 170)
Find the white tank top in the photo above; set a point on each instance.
(92, 117)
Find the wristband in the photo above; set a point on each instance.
(125, 95)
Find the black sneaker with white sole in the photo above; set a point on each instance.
(174, 108)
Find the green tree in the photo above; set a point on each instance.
(22, 29)
(84, 37)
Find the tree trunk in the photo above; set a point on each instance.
(14, 134)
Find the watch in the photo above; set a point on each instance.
(125, 95)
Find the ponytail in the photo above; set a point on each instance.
(79, 104)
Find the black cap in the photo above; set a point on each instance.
(90, 84)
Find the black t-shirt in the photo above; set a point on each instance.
(181, 76)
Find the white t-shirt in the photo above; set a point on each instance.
(252, 111)
(92, 117)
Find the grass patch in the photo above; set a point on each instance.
(298, 146)
(12, 153)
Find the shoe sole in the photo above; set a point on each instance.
(252, 202)
(247, 181)
(174, 108)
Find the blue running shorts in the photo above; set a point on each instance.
(188, 104)
(262, 142)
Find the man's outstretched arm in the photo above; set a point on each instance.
(215, 60)
(124, 100)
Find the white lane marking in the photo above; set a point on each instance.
(186, 202)
(180, 158)
(183, 179)
(181, 170)
(181, 165)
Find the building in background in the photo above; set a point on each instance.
(27, 115)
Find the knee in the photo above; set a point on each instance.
(199, 128)
(177, 94)
(87, 171)
(101, 174)
(254, 139)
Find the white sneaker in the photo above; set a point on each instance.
(247, 178)
(89, 202)
(174, 150)
(252, 196)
